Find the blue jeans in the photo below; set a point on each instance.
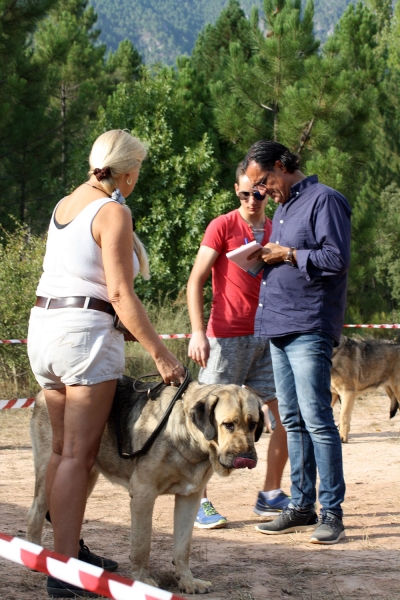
(302, 364)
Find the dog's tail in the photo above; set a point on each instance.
(394, 402)
(394, 405)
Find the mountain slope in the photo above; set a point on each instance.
(161, 30)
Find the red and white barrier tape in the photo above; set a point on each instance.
(397, 326)
(162, 336)
(26, 402)
(16, 403)
(181, 336)
(76, 572)
(174, 336)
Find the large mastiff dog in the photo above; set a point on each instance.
(212, 428)
(359, 366)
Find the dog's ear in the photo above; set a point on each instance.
(202, 415)
(261, 421)
(260, 424)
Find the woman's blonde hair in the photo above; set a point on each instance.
(141, 253)
(120, 152)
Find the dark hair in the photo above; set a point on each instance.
(240, 171)
(265, 153)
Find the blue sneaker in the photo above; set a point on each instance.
(209, 518)
(271, 508)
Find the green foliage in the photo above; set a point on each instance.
(25, 121)
(212, 45)
(177, 194)
(321, 104)
(387, 244)
(124, 64)
(53, 86)
(207, 66)
(166, 317)
(21, 258)
(249, 99)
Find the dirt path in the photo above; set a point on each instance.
(242, 564)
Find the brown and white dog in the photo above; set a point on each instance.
(213, 428)
(359, 366)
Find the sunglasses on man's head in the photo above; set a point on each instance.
(245, 196)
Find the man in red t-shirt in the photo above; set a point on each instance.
(227, 350)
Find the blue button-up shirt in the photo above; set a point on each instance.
(312, 296)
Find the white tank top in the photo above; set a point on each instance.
(73, 264)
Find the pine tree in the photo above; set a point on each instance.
(79, 80)
(25, 124)
(249, 101)
(124, 64)
(212, 45)
(375, 222)
(360, 38)
(207, 65)
(66, 42)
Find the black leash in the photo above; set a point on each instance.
(150, 441)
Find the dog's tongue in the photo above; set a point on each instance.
(242, 463)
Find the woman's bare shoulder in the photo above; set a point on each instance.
(112, 220)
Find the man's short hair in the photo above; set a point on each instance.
(265, 153)
(240, 171)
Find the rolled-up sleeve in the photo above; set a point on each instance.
(332, 230)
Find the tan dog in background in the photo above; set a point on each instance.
(359, 366)
(210, 428)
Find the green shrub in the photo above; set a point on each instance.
(21, 258)
(167, 317)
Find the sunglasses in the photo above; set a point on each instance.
(260, 189)
(245, 196)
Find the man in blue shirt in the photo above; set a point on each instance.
(301, 309)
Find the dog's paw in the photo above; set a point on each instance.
(189, 585)
(144, 577)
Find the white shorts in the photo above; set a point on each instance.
(74, 346)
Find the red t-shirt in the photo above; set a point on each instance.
(235, 292)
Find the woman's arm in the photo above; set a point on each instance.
(112, 230)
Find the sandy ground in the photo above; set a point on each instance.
(242, 563)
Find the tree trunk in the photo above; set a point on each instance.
(63, 133)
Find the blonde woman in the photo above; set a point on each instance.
(75, 352)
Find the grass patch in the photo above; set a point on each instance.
(167, 317)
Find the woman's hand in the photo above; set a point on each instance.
(169, 367)
(199, 348)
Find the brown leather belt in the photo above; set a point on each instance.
(75, 302)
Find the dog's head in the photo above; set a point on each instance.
(231, 420)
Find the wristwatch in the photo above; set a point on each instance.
(289, 259)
